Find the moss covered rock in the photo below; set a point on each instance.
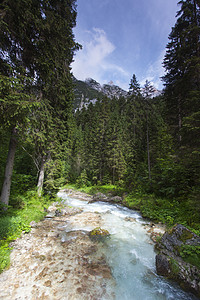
(178, 258)
(99, 233)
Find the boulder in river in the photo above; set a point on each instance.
(116, 199)
(178, 258)
(98, 233)
(106, 198)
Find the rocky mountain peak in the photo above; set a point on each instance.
(90, 90)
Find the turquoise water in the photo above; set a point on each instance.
(130, 254)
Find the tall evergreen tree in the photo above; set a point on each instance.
(148, 89)
(182, 64)
(182, 92)
(37, 41)
(16, 69)
(55, 50)
(134, 87)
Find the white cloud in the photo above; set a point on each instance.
(154, 72)
(92, 61)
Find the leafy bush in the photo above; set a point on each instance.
(82, 179)
(165, 210)
(11, 227)
(14, 221)
(4, 256)
(191, 254)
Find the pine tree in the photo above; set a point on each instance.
(56, 47)
(182, 91)
(37, 41)
(147, 93)
(16, 106)
(148, 89)
(134, 87)
(182, 64)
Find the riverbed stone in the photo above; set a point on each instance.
(33, 224)
(50, 269)
(98, 233)
(130, 219)
(77, 194)
(170, 261)
(106, 198)
(116, 199)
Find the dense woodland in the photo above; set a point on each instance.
(143, 145)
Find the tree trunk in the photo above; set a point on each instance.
(41, 178)
(148, 152)
(196, 23)
(179, 119)
(5, 192)
(113, 180)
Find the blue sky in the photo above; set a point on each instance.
(121, 38)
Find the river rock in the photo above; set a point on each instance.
(33, 224)
(116, 199)
(100, 197)
(77, 194)
(130, 219)
(44, 267)
(171, 263)
(106, 198)
(98, 234)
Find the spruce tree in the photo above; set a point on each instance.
(134, 87)
(148, 89)
(37, 42)
(182, 64)
(16, 44)
(182, 92)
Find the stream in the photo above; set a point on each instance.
(129, 252)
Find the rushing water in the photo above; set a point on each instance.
(130, 254)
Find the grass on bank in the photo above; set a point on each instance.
(106, 189)
(16, 219)
(167, 211)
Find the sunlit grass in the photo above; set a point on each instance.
(14, 221)
(107, 188)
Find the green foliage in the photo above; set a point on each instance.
(182, 64)
(174, 266)
(37, 47)
(11, 227)
(109, 144)
(114, 190)
(134, 87)
(4, 256)
(16, 102)
(83, 179)
(165, 210)
(191, 254)
(15, 221)
(56, 173)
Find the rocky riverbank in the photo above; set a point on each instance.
(60, 260)
(56, 261)
(178, 258)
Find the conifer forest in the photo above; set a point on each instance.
(143, 147)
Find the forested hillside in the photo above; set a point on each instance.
(145, 145)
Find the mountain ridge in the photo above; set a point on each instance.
(90, 90)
